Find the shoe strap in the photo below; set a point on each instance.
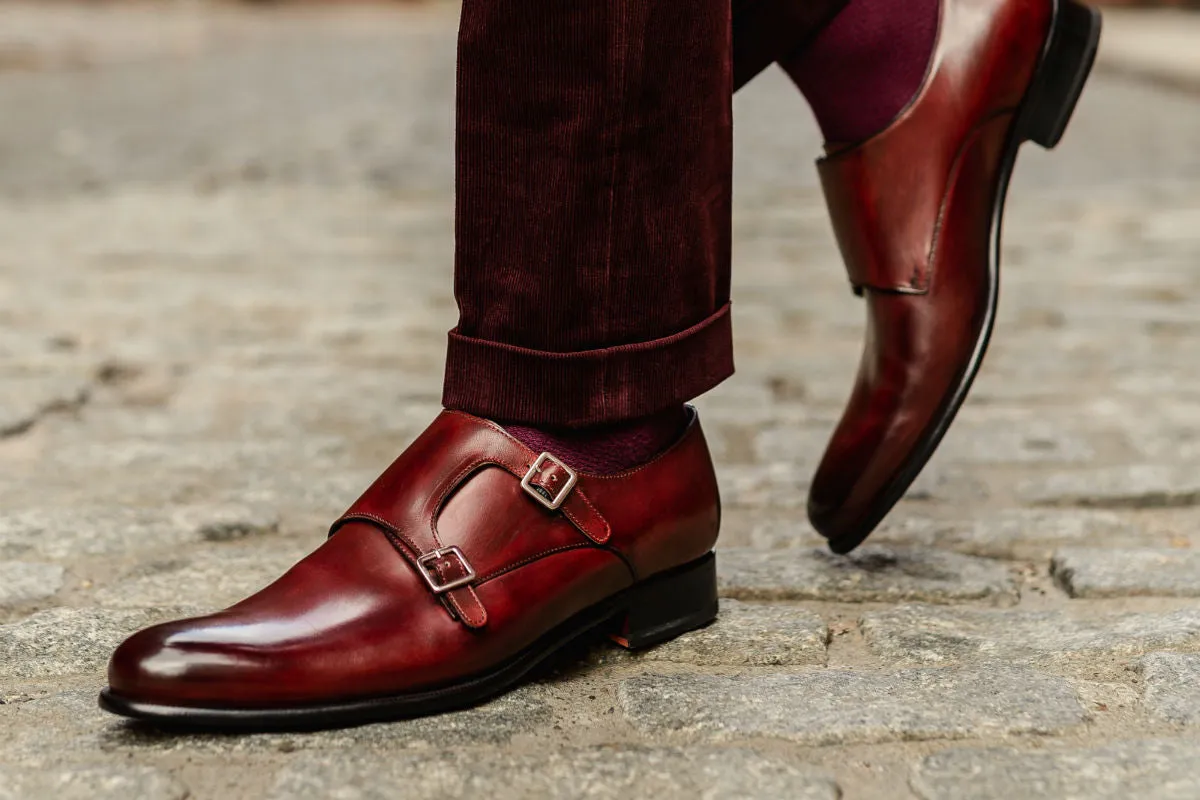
(885, 215)
(405, 501)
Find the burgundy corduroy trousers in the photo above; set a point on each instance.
(593, 202)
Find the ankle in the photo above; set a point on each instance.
(607, 449)
(866, 66)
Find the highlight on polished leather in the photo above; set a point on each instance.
(469, 562)
(917, 213)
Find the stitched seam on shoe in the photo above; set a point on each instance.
(393, 532)
(451, 485)
(476, 621)
(496, 573)
(516, 471)
(456, 607)
(606, 529)
(474, 465)
(591, 475)
(939, 225)
(454, 483)
(396, 537)
(389, 529)
(413, 558)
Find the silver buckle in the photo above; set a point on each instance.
(439, 588)
(559, 498)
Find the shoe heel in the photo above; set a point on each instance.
(1066, 64)
(670, 604)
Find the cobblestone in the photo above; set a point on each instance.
(1139, 486)
(22, 582)
(869, 574)
(1094, 572)
(224, 294)
(1033, 442)
(1032, 534)
(753, 634)
(70, 641)
(27, 399)
(932, 634)
(1162, 769)
(609, 772)
(82, 531)
(90, 782)
(222, 575)
(228, 523)
(1172, 686)
(69, 723)
(839, 707)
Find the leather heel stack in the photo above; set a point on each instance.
(674, 603)
(1066, 64)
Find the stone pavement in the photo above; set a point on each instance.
(1158, 46)
(224, 290)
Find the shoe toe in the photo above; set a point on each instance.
(169, 664)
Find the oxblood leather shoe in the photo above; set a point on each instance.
(468, 562)
(917, 212)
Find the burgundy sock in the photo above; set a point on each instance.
(607, 449)
(861, 71)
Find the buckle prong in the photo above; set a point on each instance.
(432, 558)
(555, 502)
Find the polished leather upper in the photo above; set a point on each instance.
(364, 615)
(913, 210)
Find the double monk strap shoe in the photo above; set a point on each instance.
(468, 563)
(917, 212)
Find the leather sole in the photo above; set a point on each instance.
(1050, 101)
(648, 613)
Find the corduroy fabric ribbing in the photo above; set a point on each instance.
(592, 217)
(593, 208)
(603, 385)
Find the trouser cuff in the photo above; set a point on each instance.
(591, 387)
